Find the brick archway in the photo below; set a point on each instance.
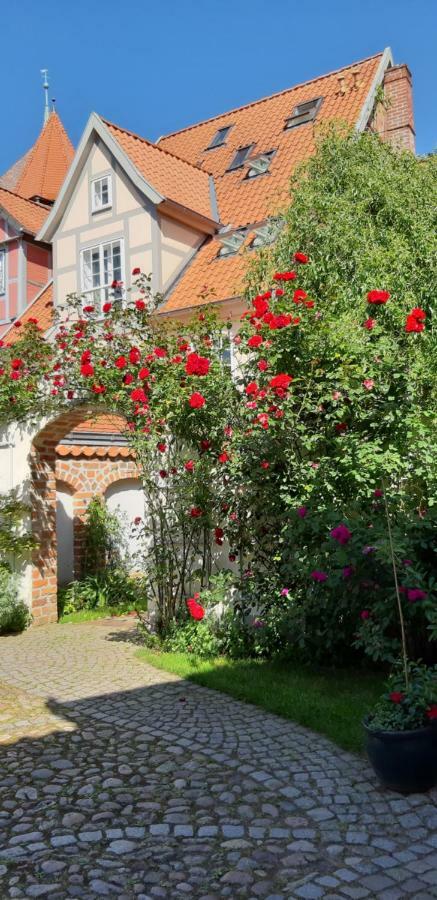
(85, 478)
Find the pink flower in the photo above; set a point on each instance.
(414, 594)
(302, 511)
(285, 592)
(348, 571)
(378, 492)
(137, 520)
(317, 575)
(336, 395)
(341, 534)
(368, 383)
(365, 614)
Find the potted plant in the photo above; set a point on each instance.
(401, 731)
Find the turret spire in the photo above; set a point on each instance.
(45, 75)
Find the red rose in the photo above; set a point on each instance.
(33, 321)
(17, 324)
(160, 352)
(161, 446)
(431, 712)
(418, 313)
(280, 382)
(262, 365)
(163, 473)
(299, 295)
(87, 370)
(136, 271)
(205, 444)
(265, 464)
(341, 427)
(255, 341)
(16, 363)
(197, 400)
(219, 535)
(378, 297)
(140, 304)
(195, 609)
(197, 365)
(138, 395)
(396, 696)
(134, 355)
(128, 378)
(224, 457)
(144, 373)
(116, 284)
(121, 362)
(301, 257)
(413, 325)
(195, 512)
(369, 324)
(261, 306)
(189, 465)
(251, 388)
(107, 307)
(284, 276)
(98, 389)
(15, 376)
(365, 614)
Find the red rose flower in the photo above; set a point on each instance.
(33, 321)
(224, 457)
(107, 307)
(144, 373)
(413, 325)
(189, 465)
(280, 382)
(265, 464)
(86, 370)
(262, 365)
(396, 696)
(317, 575)
(136, 271)
(161, 446)
(255, 341)
(251, 389)
(195, 512)
(431, 712)
(341, 427)
(415, 594)
(98, 389)
(369, 324)
(120, 362)
(284, 276)
(195, 609)
(299, 295)
(134, 355)
(17, 324)
(16, 363)
(261, 306)
(160, 352)
(205, 444)
(378, 297)
(140, 304)
(15, 376)
(138, 395)
(197, 365)
(365, 614)
(88, 309)
(218, 536)
(301, 257)
(163, 473)
(418, 313)
(197, 400)
(341, 534)
(128, 378)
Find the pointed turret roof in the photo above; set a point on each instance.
(41, 171)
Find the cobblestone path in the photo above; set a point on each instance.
(122, 781)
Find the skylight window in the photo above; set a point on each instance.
(304, 112)
(231, 243)
(219, 138)
(266, 234)
(240, 157)
(260, 165)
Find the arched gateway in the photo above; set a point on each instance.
(80, 454)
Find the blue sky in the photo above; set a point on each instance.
(157, 66)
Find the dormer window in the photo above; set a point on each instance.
(266, 234)
(219, 138)
(304, 112)
(260, 165)
(231, 243)
(101, 193)
(240, 157)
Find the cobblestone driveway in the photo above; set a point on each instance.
(118, 780)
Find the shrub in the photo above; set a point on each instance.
(14, 614)
(112, 588)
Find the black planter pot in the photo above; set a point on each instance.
(404, 761)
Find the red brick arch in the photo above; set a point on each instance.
(85, 477)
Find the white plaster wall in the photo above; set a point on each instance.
(126, 499)
(15, 445)
(64, 535)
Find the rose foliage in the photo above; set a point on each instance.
(327, 427)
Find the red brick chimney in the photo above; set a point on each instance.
(399, 121)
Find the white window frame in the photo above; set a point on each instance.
(2, 270)
(95, 207)
(225, 336)
(98, 294)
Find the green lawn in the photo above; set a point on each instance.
(330, 702)
(87, 615)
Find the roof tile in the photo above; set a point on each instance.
(41, 308)
(47, 162)
(31, 216)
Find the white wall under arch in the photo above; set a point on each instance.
(125, 498)
(64, 534)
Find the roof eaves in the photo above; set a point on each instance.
(94, 124)
(366, 110)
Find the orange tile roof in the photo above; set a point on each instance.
(90, 451)
(47, 162)
(243, 201)
(176, 179)
(31, 216)
(41, 308)
(10, 178)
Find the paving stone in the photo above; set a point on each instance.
(119, 789)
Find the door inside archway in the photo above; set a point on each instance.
(125, 498)
(64, 534)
